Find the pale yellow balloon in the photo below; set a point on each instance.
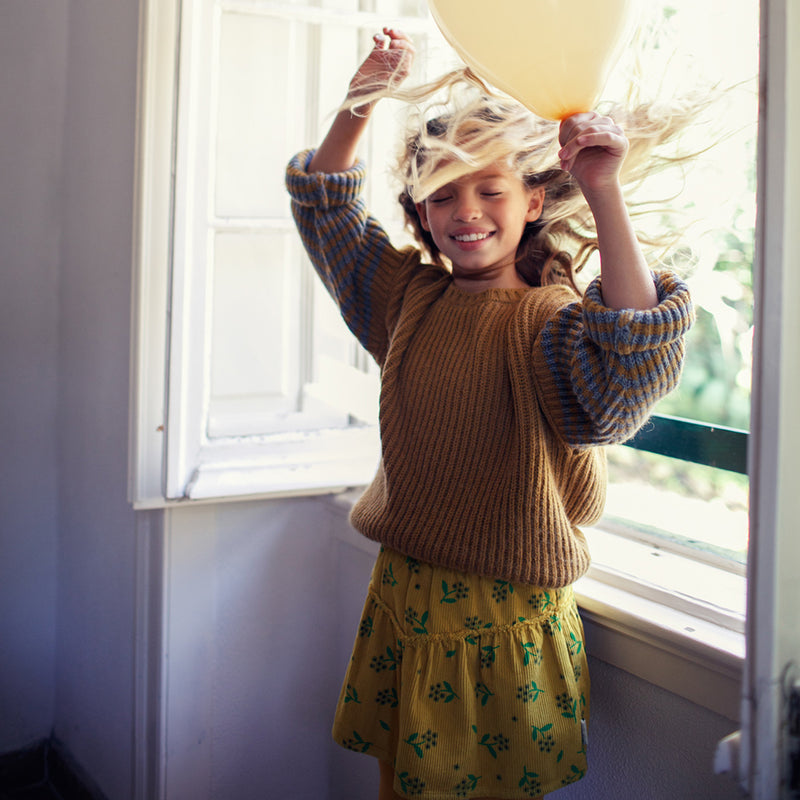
(554, 56)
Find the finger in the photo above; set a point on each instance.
(572, 147)
(390, 35)
(604, 133)
(581, 118)
(402, 50)
(582, 123)
(615, 147)
(593, 132)
(574, 122)
(394, 33)
(606, 140)
(402, 44)
(576, 129)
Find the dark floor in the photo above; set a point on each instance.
(44, 771)
(41, 791)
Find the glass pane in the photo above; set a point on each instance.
(401, 8)
(255, 132)
(340, 5)
(675, 502)
(670, 501)
(339, 55)
(717, 202)
(255, 347)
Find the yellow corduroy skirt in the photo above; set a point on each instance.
(467, 686)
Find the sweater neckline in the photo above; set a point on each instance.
(458, 296)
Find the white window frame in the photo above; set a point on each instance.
(627, 627)
(197, 465)
(773, 636)
(173, 457)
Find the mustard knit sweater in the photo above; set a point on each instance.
(492, 404)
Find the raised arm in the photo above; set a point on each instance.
(387, 64)
(593, 149)
(348, 248)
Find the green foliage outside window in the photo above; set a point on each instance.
(669, 500)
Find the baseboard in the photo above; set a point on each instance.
(47, 761)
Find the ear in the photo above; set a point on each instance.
(535, 204)
(422, 213)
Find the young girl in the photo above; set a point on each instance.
(469, 676)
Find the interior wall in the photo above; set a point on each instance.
(264, 600)
(249, 665)
(648, 743)
(95, 649)
(33, 57)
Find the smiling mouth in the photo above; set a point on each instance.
(472, 237)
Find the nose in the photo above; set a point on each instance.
(466, 209)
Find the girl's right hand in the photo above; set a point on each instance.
(387, 65)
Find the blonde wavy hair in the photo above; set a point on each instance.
(458, 125)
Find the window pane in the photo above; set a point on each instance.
(338, 57)
(256, 337)
(665, 500)
(255, 132)
(341, 5)
(671, 502)
(717, 201)
(406, 8)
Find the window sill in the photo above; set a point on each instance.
(320, 461)
(693, 658)
(664, 638)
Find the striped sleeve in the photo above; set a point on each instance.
(601, 371)
(348, 248)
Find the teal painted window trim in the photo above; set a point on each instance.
(698, 442)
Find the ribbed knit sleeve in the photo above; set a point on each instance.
(600, 371)
(348, 248)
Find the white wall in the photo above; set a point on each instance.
(97, 568)
(251, 677)
(32, 92)
(264, 599)
(260, 599)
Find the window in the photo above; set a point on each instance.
(676, 522)
(247, 384)
(265, 390)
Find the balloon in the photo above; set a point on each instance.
(554, 56)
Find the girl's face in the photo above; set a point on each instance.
(477, 222)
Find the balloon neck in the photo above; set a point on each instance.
(562, 115)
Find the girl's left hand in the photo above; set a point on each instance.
(593, 148)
